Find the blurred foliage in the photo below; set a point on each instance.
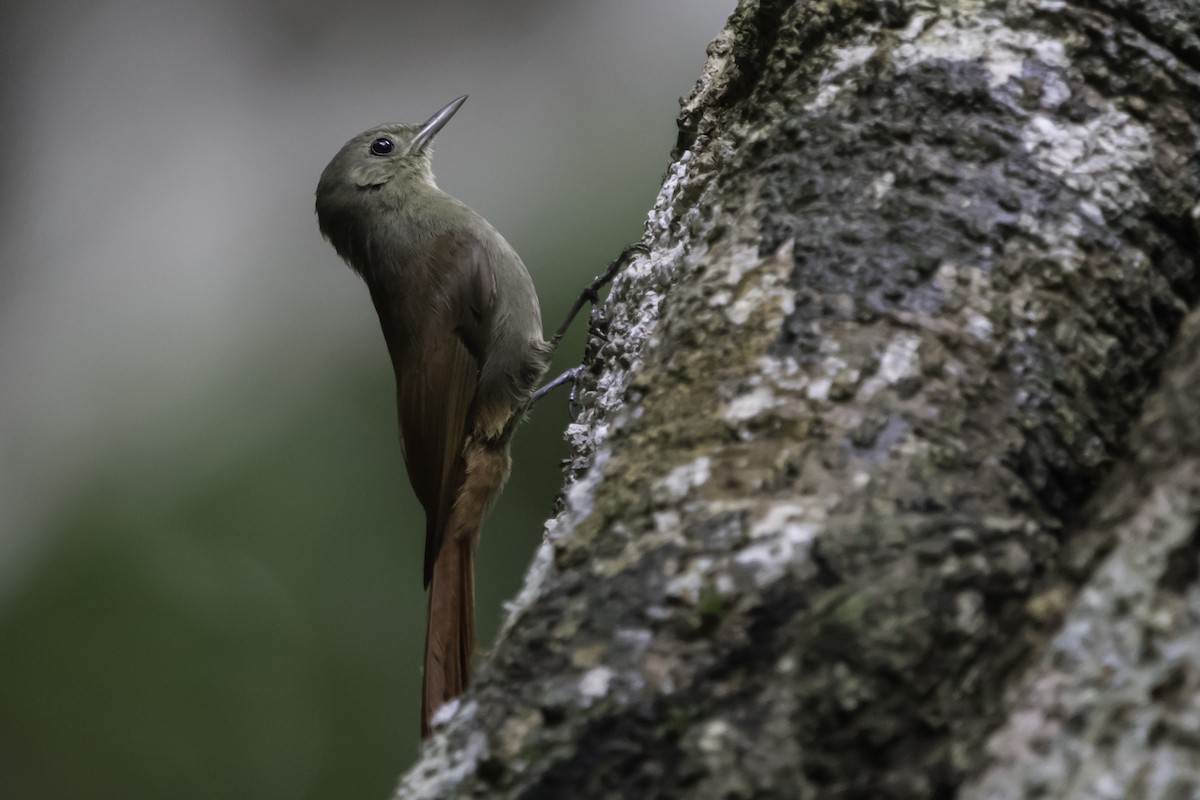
(210, 581)
(254, 631)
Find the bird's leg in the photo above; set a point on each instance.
(551, 385)
(590, 295)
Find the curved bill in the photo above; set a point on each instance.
(433, 125)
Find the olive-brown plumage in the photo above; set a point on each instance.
(460, 317)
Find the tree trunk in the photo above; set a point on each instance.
(887, 472)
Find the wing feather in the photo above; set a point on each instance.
(437, 378)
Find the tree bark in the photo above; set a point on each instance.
(887, 467)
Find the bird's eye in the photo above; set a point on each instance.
(382, 147)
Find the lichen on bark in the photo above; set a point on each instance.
(907, 288)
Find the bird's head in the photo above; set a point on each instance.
(382, 165)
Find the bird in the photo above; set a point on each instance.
(462, 324)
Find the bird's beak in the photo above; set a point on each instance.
(433, 125)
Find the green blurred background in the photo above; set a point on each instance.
(209, 554)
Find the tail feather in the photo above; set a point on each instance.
(450, 616)
(449, 628)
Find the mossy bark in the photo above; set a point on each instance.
(887, 472)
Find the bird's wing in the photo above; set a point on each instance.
(438, 376)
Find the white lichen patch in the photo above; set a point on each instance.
(595, 683)
(777, 383)
(751, 300)
(680, 481)
(756, 286)
(687, 585)
(780, 539)
(715, 736)
(1097, 158)
(722, 747)
(881, 187)
(979, 326)
(1055, 91)
(977, 37)
(746, 407)
(844, 71)
(776, 518)
(667, 522)
(966, 291)
(900, 360)
(445, 712)
(579, 495)
(445, 765)
(1059, 237)
(697, 576)
(818, 388)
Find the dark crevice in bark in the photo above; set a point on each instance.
(1172, 25)
(757, 30)
(1183, 566)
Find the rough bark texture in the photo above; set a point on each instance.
(887, 474)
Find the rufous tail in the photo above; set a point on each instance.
(450, 617)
